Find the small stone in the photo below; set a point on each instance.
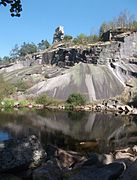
(120, 155)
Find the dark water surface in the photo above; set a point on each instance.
(79, 131)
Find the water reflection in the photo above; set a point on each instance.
(4, 136)
(70, 130)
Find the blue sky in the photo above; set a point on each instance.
(39, 19)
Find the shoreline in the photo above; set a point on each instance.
(87, 108)
(36, 162)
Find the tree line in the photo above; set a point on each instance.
(26, 48)
(29, 48)
(125, 21)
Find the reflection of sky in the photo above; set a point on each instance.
(3, 136)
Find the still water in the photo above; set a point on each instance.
(78, 131)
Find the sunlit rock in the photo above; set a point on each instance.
(59, 34)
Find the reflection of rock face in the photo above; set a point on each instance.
(61, 128)
(124, 136)
(59, 34)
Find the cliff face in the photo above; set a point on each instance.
(95, 82)
(104, 71)
(100, 71)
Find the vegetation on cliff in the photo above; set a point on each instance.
(125, 20)
(75, 99)
(6, 88)
(46, 100)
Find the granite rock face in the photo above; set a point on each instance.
(114, 53)
(99, 71)
(95, 82)
(106, 69)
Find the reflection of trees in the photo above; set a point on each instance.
(74, 115)
(58, 139)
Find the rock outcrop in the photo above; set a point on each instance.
(95, 82)
(99, 71)
(20, 154)
(106, 69)
(59, 34)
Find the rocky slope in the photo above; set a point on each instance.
(106, 69)
(99, 71)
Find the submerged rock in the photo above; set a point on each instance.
(66, 160)
(49, 171)
(131, 172)
(19, 154)
(106, 172)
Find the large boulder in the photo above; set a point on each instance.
(49, 171)
(66, 160)
(59, 161)
(19, 154)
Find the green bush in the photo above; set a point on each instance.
(69, 107)
(25, 102)
(7, 103)
(6, 88)
(45, 100)
(76, 99)
(21, 85)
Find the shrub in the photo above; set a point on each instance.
(25, 102)
(21, 85)
(45, 100)
(7, 103)
(6, 88)
(69, 107)
(74, 115)
(76, 99)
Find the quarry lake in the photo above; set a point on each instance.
(77, 131)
